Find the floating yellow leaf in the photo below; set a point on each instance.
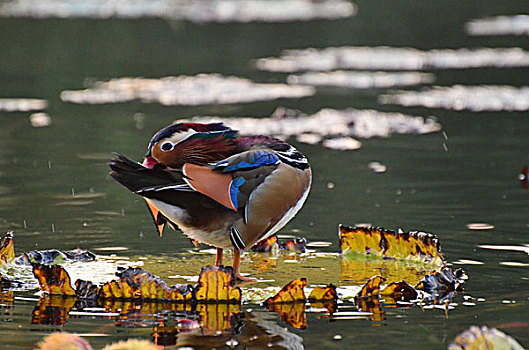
(7, 251)
(292, 313)
(137, 283)
(290, 293)
(372, 287)
(323, 293)
(217, 283)
(375, 241)
(53, 279)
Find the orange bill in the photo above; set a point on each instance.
(158, 220)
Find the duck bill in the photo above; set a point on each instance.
(157, 217)
(149, 162)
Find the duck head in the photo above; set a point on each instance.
(194, 143)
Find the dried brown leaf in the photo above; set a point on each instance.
(53, 280)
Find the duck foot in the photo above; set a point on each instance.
(237, 268)
(240, 277)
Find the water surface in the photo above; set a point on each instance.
(55, 191)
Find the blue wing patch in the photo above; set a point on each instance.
(256, 160)
(234, 190)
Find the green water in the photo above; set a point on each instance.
(433, 183)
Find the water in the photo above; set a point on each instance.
(55, 191)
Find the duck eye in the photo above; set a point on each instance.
(166, 146)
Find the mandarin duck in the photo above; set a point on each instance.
(217, 187)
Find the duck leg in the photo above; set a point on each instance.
(218, 260)
(237, 267)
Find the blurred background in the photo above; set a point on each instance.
(418, 120)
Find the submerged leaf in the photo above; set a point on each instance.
(323, 293)
(52, 310)
(217, 317)
(375, 241)
(372, 287)
(330, 305)
(7, 251)
(476, 338)
(372, 306)
(217, 283)
(291, 313)
(137, 283)
(359, 270)
(290, 293)
(53, 279)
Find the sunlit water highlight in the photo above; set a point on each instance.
(392, 58)
(196, 90)
(464, 97)
(204, 11)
